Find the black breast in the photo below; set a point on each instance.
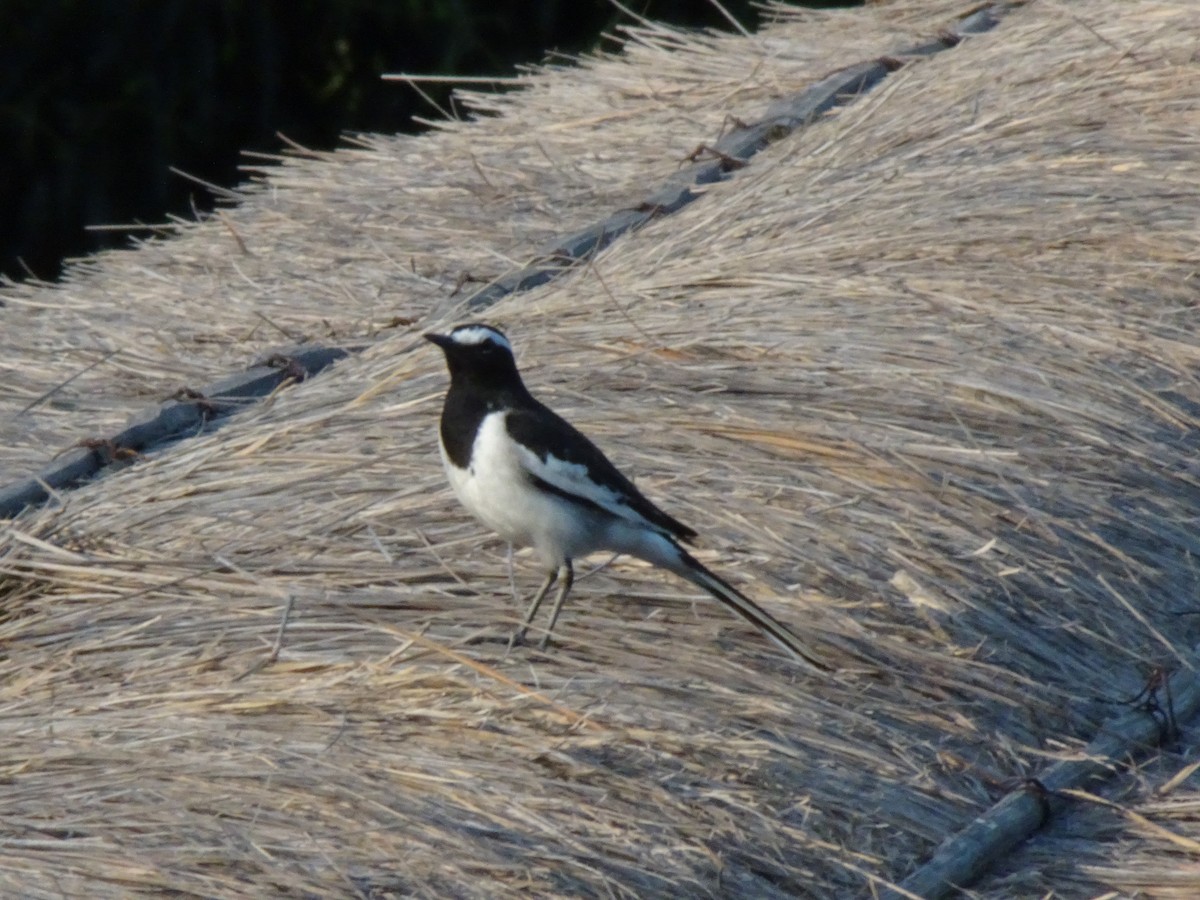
(461, 416)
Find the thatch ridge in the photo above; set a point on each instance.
(923, 376)
(204, 407)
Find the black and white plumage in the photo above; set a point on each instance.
(536, 481)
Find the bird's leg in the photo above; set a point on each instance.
(519, 635)
(512, 580)
(567, 574)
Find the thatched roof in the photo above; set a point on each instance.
(923, 374)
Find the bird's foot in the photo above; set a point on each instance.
(517, 639)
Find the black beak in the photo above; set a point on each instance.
(440, 339)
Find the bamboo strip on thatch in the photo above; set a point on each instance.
(193, 412)
(967, 855)
(729, 154)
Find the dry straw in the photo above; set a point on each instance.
(924, 376)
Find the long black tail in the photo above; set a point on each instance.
(690, 568)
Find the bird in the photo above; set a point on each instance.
(537, 481)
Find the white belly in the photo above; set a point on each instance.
(497, 490)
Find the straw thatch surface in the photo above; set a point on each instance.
(924, 375)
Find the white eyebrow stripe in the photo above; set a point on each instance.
(474, 335)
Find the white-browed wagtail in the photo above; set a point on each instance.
(535, 480)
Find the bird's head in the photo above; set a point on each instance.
(478, 353)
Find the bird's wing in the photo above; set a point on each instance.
(562, 460)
